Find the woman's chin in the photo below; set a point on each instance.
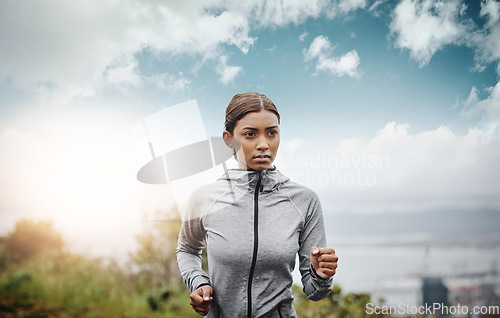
(260, 166)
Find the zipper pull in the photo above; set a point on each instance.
(261, 187)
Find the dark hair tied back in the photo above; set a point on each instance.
(245, 103)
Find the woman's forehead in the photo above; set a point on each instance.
(264, 118)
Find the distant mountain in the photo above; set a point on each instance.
(474, 228)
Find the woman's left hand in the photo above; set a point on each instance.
(324, 261)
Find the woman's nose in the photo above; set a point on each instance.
(262, 144)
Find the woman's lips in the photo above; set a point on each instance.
(262, 158)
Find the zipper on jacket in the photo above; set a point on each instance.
(258, 188)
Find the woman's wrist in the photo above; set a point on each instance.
(315, 275)
(203, 284)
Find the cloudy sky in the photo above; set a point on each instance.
(386, 106)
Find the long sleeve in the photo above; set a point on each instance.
(313, 234)
(191, 243)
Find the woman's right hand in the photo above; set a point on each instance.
(201, 298)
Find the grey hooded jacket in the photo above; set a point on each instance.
(254, 223)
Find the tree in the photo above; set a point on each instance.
(31, 238)
(155, 260)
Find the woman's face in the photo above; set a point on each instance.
(256, 139)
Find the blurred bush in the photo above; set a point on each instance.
(155, 261)
(39, 278)
(31, 238)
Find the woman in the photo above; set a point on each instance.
(254, 221)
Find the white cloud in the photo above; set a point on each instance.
(78, 47)
(271, 49)
(487, 111)
(321, 50)
(491, 9)
(424, 26)
(343, 7)
(227, 72)
(487, 42)
(57, 47)
(293, 145)
(303, 36)
(374, 6)
(123, 73)
(169, 82)
(350, 5)
(279, 13)
(399, 171)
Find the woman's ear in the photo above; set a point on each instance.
(228, 139)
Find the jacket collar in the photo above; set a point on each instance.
(247, 179)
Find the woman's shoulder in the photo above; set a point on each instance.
(292, 185)
(202, 197)
(207, 190)
(298, 188)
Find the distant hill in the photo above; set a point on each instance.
(481, 228)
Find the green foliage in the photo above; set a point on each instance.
(336, 305)
(62, 284)
(78, 284)
(155, 261)
(42, 280)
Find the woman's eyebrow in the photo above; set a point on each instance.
(252, 128)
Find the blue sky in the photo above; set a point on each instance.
(400, 100)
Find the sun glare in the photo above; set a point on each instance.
(77, 171)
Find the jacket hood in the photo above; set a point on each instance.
(246, 179)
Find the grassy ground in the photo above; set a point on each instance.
(39, 279)
(66, 285)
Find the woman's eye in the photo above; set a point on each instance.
(273, 132)
(249, 134)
